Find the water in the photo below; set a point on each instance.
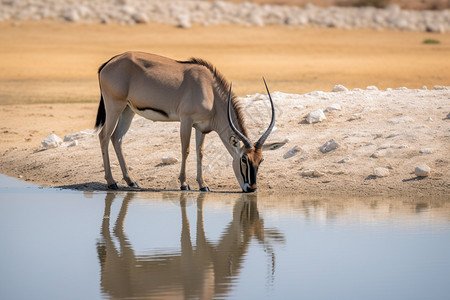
(61, 244)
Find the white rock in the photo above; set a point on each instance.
(340, 88)
(426, 150)
(73, 143)
(51, 141)
(372, 88)
(292, 152)
(333, 107)
(315, 116)
(169, 160)
(401, 120)
(71, 15)
(344, 160)
(140, 18)
(329, 146)
(422, 170)
(312, 173)
(440, 87)
(380, 172)
(357, 116)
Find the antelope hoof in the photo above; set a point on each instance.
(205, 189)
(185, 188)
(113, 187)
(134, 185)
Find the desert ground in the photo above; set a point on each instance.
(48, 84)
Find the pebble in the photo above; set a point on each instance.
(339, 88)
(344, 160)
(51, 141)
(401, 120)
(372, 88)
(329, 146)
(426, 150)
(333, 107)
(422, 171)
(380, 172)
(312, 173)
(357, 116)
(169, 160)
(292, 152)
(315, 116)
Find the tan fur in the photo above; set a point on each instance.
(162, 89)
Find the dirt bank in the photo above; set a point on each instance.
(396, 130)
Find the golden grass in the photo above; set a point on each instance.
(57, 62)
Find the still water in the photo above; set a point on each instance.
(61, 244)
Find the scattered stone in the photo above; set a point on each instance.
(401, 120)
(329, 146)
(312, 173)
(422, 171)
(51, 141)
(424, 88)
(430, 119)
(345, 160)
(447, 117)
(372, 88)
(357, 116)
(333, 107)
(440, 87)
(292, 152)
(315, 116)
(73, 144)
(426, 150)
(185, 13)
(380, 172)
(340, 88)
(169, 160)
(140, 18)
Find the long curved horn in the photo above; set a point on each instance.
(263, 138)
(242, 137)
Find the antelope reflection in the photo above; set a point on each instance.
(202, 271)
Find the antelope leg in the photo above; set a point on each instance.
(185, 135)
(112, 116)
(199, 141)
(122, 127)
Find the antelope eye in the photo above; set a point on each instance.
(244, 159)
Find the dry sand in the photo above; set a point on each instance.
(48, 84)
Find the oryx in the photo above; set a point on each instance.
(192, 92)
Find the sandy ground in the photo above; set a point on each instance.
(48, 84)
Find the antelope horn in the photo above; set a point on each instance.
(262, 139)
(242, 137)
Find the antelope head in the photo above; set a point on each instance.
(249, 157)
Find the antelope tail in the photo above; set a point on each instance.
(101, 114)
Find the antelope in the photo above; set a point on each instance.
(191, 92)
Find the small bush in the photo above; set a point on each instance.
(431, 41)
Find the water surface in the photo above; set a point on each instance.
(62, 244)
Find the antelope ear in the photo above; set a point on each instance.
(235, 142)
(274, 145)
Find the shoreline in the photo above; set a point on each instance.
(374, 129)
